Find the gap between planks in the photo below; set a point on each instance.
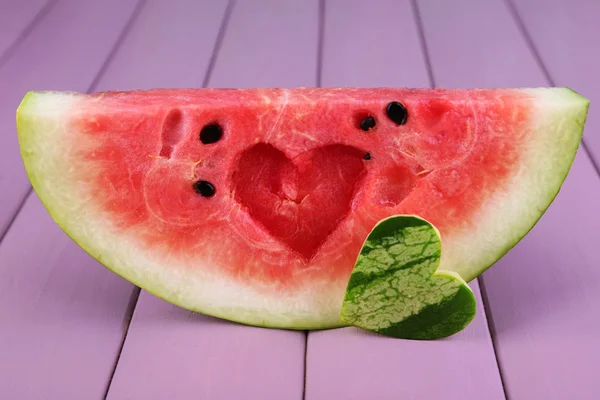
(484, 297)
(3, 58)
(36, 20)
(215, 52)
(218, 42)
(135, 294)
(27, 31)
(514, 13)
(319, 81)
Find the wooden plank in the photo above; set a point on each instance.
(173, 353)
(62, 315)
(266, 46)
(65, 51)
(170, 352)
(347, 363)
(565, 37)
(170, 46)
(15, 17)
(543, 296)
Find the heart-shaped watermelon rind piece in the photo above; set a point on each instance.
(450, 316)
(395, 289)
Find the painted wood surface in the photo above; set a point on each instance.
(17, 19)
(65, 51)
(62, 315)
(64, 318)
(195, 356)
(348, 363)
(543, 296)
(565, 36)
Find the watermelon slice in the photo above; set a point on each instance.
(253, 204)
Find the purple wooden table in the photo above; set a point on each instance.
(70, 329)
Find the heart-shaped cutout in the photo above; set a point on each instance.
(300, 201)
(395, 289)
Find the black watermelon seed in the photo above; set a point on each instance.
(211, 134)
(397, 112)
(367, 123)
(204, 188)
(367, 156)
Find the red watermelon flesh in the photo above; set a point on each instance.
(263, 224)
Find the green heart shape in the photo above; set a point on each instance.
(395, 290)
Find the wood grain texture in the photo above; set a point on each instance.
(64, 52)
(544, 295)
(379, 46)
(173, 353)
(15, 17)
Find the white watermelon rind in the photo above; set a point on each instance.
(507, 217)
(43, 125)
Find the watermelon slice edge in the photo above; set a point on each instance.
(115, 170)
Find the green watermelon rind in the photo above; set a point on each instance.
(563, 114)
(403, 251)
